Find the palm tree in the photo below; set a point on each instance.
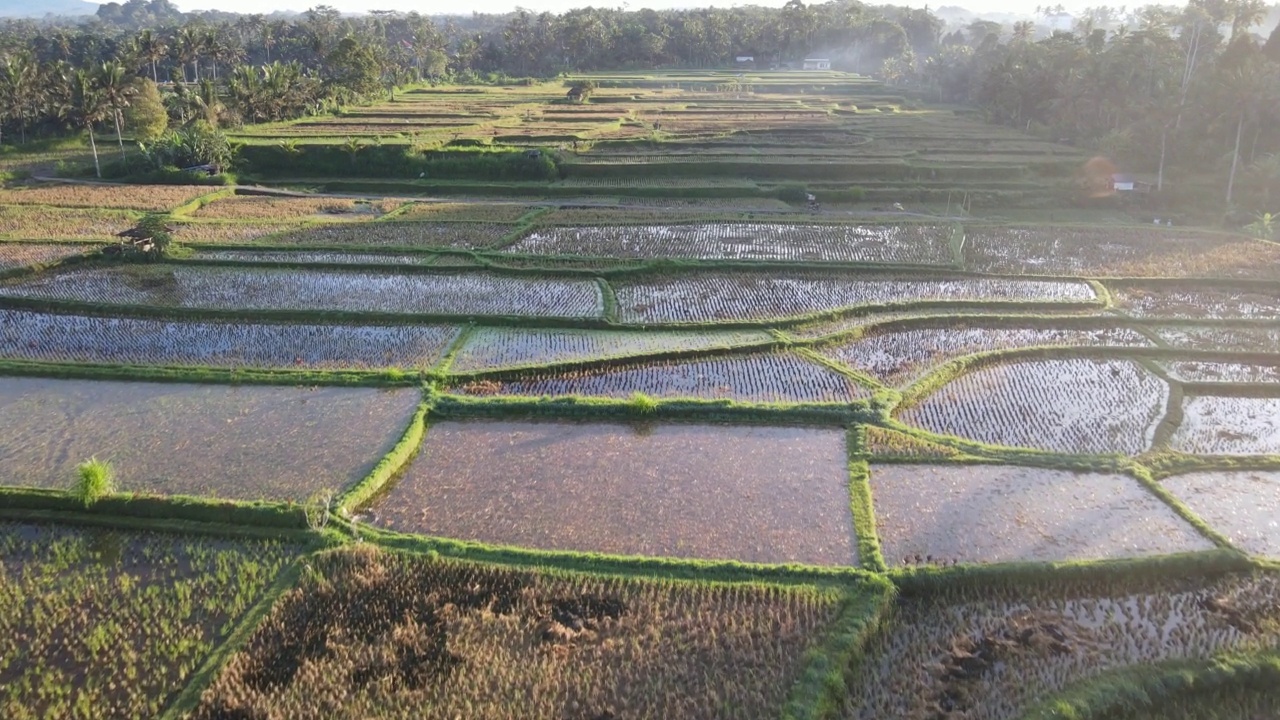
(209, 43)
(20, 88)
(187, 50)
(117, 91)
(88, 107)
(1023, 31)
(151, 48)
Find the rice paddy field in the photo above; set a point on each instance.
(175, 439)
(655, 438)
(634, 490)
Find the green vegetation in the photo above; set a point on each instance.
(109, 623)
(95, 479)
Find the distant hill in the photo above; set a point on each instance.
(27, 8)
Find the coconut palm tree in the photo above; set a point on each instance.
(117, 91)
(187, 50)
(88, 107)
(151, 49)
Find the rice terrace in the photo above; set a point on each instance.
(762, 391)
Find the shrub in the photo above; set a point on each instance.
(857, 194)
(318, 508)
(793, 193)
(95, 480)
(643, 403)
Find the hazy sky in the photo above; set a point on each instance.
(266, 6)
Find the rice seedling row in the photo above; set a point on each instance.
(1066, 406)
(1001, 650)
(141, 341)
(491, 212)
(1221, 338)
(903, 244)
(944, 514)
(239, 288)
(777, 377)
(899, 356)
(466, 235)
(15, 255)
(1165, 302)
(1222, 372)
(383, 635)
(152, 198)
(491, 348)
(1117, 251)
(1240, 505)
(275, 443)
(883, 443)
(104, 623)
(755, 494)
(752, 296)
(302, 257)
(288, 208)
(229, 232)
(1217, 425)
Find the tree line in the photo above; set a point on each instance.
(1169, 91)
(1189, 93)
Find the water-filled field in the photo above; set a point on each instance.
(277, 443)
(755, 494)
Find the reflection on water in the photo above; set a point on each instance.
(756, 494)
(276, 443)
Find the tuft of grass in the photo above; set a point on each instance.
(95, 479)
(643, 403)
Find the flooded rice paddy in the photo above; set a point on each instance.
(941, 514)
(756, 296)
(897, 357)
(1243, 505)
(225, 344)
(244, 443)
(768, 495)
(491, 348)
(311, 256)
(900, 244)
(1216, 425)
(995, 653)
(1066, 406)
(777, 377)
(240, 288)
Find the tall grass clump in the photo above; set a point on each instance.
(643, 403)
(95, 479)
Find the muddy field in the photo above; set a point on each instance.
(245, 443)
(944, 514)
(380, 635)
(1242, 505)
(996, 653)
(755, 494)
